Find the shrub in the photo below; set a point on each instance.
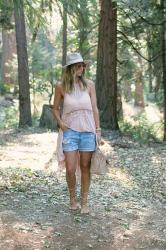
(141, 129)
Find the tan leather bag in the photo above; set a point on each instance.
(99, 163)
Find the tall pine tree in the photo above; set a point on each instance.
(23, 71)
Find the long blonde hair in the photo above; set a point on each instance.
(68, 79)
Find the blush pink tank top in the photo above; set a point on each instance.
(77, 114)
(77, 110)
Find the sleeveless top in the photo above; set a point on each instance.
(77, 115)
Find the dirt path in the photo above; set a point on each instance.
(127, 205)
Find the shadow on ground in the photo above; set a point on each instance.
(125, 213)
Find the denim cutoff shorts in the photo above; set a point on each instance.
(82, 141)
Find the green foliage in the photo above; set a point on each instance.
(139, 33)
(35, 120)
(4, 88)
(42, 60)
(9, 117)
(84, 17)
(157, 98)
(142, 130)
(36, 13)
(6, 9)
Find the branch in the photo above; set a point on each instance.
(147, 21)
(130, 30)
(130, 42)
(35, 32)
(60, 11)
(37, 13)
(120, 62)
(132, 24)
(143, 18)
(92, 28)
(87, 51)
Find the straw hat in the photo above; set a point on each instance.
(73, 58)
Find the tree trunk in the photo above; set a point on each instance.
(83, 27)
(127, 90)
(23, 71)
(64, 42)
(150, 77)
(149, 45)
(8, 52)
(163, 63)
(139, 92)
(139, 99)
(47, 119)
(106, 82)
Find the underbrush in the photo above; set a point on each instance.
(141, 129)
(9, 117)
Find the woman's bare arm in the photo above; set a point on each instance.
(56, 106)
(94, 105)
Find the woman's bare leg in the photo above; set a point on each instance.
(85, 160)
(71, 164)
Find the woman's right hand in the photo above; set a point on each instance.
(63, 126)
(98, 133)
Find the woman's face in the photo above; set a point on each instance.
(79, 68)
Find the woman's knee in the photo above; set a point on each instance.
(70, 171)
(85, 166)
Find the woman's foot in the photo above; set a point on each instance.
(84, 209)
(84, 203)
(74, 205)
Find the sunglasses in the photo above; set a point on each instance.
(80, 65)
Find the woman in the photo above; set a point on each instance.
(79, 126)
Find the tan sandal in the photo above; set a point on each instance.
(74, 207)
(84, 207)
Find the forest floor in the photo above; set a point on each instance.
(127, 205)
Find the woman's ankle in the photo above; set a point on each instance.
(84, 201)
(73, 204)
(84, 209)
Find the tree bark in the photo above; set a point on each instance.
(149, 45)
(163, 63)
(64, 42)
(139, 92)
(127, 90)
(23, 71)
(83, 25)
(139, 98)
(47, 119)
(106, 76)
(8, 52)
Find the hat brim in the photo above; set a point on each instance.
(87, 62)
